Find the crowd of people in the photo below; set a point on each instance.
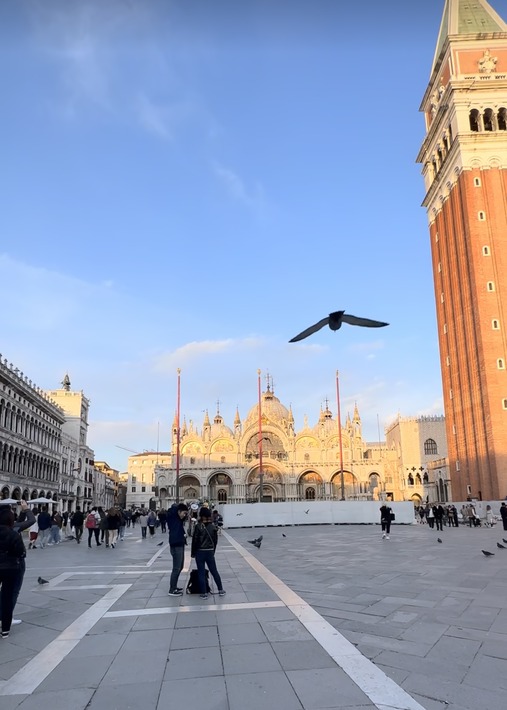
(438, 515)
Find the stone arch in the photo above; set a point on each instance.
(351, 485)
(5, 492)
(310, 480)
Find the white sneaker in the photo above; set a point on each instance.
(387, 537)
(15, 622)
(383, 536)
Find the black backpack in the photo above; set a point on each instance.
(193, 583)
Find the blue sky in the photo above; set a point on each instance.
(190, 184)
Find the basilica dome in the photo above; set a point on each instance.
(218, 428)
(327, 426)
(271, 408)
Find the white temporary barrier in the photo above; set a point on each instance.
(325, 512)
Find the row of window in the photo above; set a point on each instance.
(16, 421)
(22, 463)
(488, 120)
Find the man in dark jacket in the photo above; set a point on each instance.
(77, 522)
(44, 523)
(176, 517)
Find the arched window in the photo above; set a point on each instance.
(500, 363)
(495, 324)
(222, 495)
(502, 119)
(310, 494)
(418, 479)
(410, 480)
(474, 120)
(430, 447)
(488, 120)
(425, 477)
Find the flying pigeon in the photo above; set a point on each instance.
(256, 542)
(160, 543)
(264, 438)
(334, 321)
(487, 554)
(500, 546)
(42, 581)
(438, 539)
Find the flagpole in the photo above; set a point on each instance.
(342, 480)
(261, 474)
(178, 436)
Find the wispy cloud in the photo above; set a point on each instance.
(252, 197)
(198, 350)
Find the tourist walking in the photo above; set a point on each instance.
(56, 526)
(176, 517)
(438, 512)
(204, 544)
(113, 521)
(386, 514)
(92, 524)
(430, 516)
(143, 522)
(12, 551)
(123, 524)
(162, 516)
(44, 523)
(77, 522)
(503, 514)
(152, 521)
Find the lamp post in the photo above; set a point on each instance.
(342, 480)
(261, 474)
(178, 436)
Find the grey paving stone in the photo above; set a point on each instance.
(155, 621)
(249, 658)
(194, 637)
(76, 673)
(235, 616)
(325, 687)
(176, 693)
(12, 702)
(124, 697)
(292, 630)
(104, 645)
(241, 634)
(273, 613)
(75, 698)
(118, 625)
(148, 641)
(140, 666)
(270, 691)
(189, 662)
(302, 655)
(487, 672)
(196, 618)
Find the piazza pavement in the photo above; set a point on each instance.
(326, 617)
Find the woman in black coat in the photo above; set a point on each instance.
(12, 552)
(204, 543)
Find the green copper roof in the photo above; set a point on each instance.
(467, 17)
(475, 16)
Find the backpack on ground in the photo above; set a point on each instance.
(193, 583)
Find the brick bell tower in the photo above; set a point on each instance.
(464, 158)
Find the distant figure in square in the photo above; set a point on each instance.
(385, 520)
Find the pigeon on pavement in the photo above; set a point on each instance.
(334, 321)
(438, 539)
(284, 535)
(487, 554)
(500, 546)
(160, 543)
(504, 540)
(42, 581)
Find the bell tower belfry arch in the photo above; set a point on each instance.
(464, 159)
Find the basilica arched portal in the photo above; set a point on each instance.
(273, 487)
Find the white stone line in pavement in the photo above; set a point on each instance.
(200, 607)
(28, 678)
(157, 555)
(384, 693)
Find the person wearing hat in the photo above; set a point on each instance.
(204, 543)
(176, 517)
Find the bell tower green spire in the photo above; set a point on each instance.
(464, 17)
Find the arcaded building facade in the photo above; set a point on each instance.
(464, 158)
(30, 438)
(222, 463)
